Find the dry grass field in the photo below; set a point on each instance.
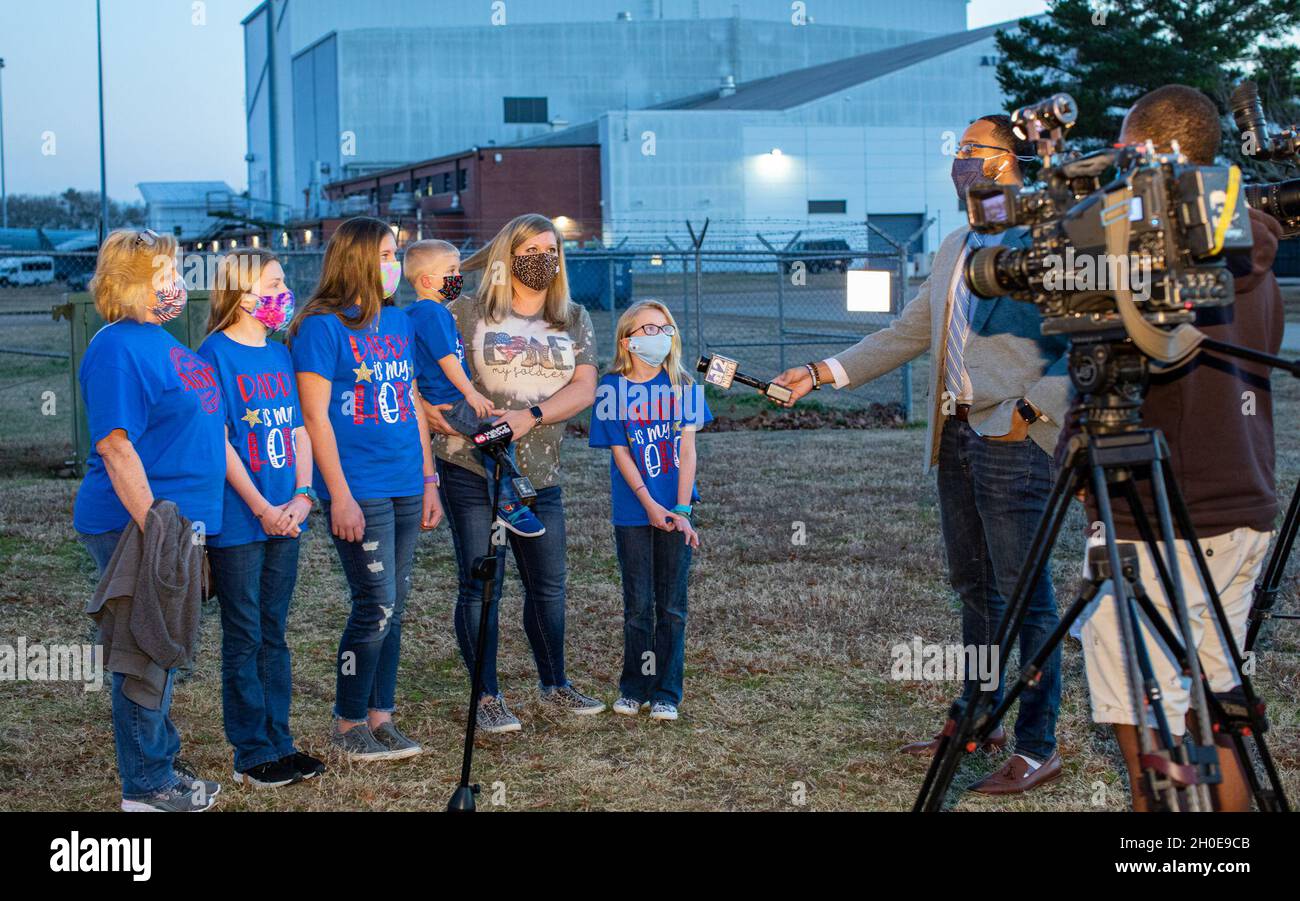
(788, 682)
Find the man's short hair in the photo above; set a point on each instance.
(1179, 113)
(1003, 130)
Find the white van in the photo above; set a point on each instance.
(26, 271)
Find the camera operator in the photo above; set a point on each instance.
(1000, 393)
(1217, 416)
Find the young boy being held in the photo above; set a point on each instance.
(433, 268)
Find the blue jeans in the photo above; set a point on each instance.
(655, 566)
(146, 740)
(378, 570)
(463, 419)
(254, 582)
(992, 495)
(541, 570)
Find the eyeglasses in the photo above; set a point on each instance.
(146, 238)
(652, 329)
(965, 150)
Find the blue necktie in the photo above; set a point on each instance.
(954, 363)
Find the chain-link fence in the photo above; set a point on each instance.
(769, 309)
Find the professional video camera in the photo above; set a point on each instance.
(1261, 141)
(1100, 221)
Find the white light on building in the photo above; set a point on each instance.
(868, 291)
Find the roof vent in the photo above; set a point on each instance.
(728, 86)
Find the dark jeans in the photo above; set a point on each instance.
(254, 582)
(378, 570)
(146, 740)
(655, 566)
(541, 570)
(991, 496)
(463, 419)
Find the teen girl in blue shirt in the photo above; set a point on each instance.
(374, 471)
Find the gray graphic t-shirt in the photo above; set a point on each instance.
(516, 363)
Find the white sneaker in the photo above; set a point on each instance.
(662, 710)
(630, 706)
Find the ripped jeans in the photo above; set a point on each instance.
(378, 570)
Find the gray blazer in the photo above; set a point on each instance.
(1007, 355)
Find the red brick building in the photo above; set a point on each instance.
(473, 193)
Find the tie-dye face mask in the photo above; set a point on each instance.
(171, 301)
(273, 310)
(451, 285)
(390, 272)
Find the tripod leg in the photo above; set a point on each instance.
(1266, 590)
(965, 719)
(1266, 799)
(1276, 799)
(1161, 788)
(1204, 750)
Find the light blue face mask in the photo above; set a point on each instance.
(653, 349)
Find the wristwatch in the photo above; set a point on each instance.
(308, 492)
(537, 414)
(1027, 411)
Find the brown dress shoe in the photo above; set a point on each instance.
(996, 742)
(1015, 776)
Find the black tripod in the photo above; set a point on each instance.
(485, 570)
(1111, 453)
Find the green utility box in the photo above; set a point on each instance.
(189, 328)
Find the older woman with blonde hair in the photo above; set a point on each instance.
(531, 351)
(154, 413)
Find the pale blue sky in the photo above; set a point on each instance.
(173, 90)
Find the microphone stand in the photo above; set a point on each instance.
(485, 570)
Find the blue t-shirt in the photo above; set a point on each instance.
(138, 378)
(371, 407)
(436, 337)
(261, 413)
(648, 418)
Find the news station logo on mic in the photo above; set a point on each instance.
(496, 434)
(721, 371)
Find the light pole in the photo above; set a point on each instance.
(103, 175)
(4, 193)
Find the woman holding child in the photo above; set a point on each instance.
(530, 352)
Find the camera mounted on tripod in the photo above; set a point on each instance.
(1122, 219)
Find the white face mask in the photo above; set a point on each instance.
(653, 349)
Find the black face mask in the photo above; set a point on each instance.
(451, 285)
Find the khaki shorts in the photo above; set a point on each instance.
(1235, 559)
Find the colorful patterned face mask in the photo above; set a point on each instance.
(273, 310)
(536, 270)
(390, 272)
(171, 301)
(451, 285)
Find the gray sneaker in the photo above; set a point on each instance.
(180, 798)
(392, 738)
(495, 717)
(191, 778)
(568, 698)
(359, 743)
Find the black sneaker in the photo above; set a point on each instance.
(272, 774)
(308, 767)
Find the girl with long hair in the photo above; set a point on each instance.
(374, 471)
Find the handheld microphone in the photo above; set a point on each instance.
(722, 371)
(494, 441)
